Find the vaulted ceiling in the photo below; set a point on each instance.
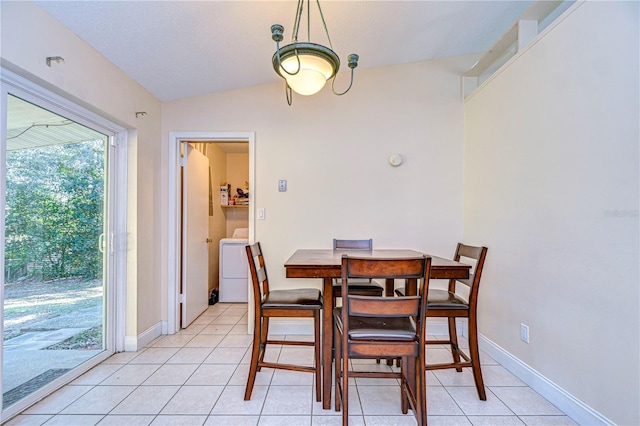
(179, 49)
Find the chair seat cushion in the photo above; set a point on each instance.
(378, 328)
(444, 299)
(441, 299)
(364, 288)
(295, 298)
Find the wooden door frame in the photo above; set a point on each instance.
(173, 212)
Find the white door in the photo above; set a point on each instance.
(195, 235)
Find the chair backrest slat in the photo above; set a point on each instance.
(353, 244)
(384, 306)
(258, 271)
(477, 255)
(412, 269)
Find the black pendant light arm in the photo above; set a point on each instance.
(277, 31)
(353, 62)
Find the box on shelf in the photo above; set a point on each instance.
(224, 195)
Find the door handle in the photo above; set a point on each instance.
(209, 240)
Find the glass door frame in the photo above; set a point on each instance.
(115, 216)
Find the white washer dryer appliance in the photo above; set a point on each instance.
(234, 269)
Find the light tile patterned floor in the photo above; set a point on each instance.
(197, 377)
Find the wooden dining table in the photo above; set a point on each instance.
(327, 265)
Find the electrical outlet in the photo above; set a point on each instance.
(524, 333)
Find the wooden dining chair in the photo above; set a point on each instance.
(303, 302)
(362, 286)
(383, 327)
(456, 302)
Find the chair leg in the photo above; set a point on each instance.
(255, 356)
(474, 353)
(421, 390)
(404, 397)
(345, 389)
(263, 338)
(338, 371)
(453, 338)
(316, 347)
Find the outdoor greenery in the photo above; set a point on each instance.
(55, 210)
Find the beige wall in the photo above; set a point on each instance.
(28, 36)
(333, 152)
(551, 187)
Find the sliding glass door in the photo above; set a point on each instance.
(57, 246)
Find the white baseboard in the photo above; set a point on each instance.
(570, 405)
(135, 343)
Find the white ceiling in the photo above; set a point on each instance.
(178, 49)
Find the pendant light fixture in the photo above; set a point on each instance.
(306, 66)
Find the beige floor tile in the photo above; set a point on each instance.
(171, 375)
(97, 374)
(58, 400)
(99, 400)
(402, 420)
(525, 401)
(379, 400)
(236, 341)
(173, 341)
(297, 355)
(146, 400)
(284, 421)
(154, 356)
(288, 400)
(451, 377)
(440, 403)
(205, 341)
(225, 355)
(210, 374)
(162, 420)
(131, 374)
(232, 402)
(217, 329)
(467, 399)
(495, 421)
(227, 319)
(292, 378)
(547, 421)
(336, 420)
(193, 400)
(497, 375)
(448, 421)
(238, 420)
(119, 420)
(75, 420)
(123, 357)
(241, 373)
(29, 420)
(198, 376)
(190, 356)
(194, 328)
(239, 328)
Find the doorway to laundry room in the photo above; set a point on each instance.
(216, 201)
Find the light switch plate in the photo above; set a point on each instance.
(282, 185)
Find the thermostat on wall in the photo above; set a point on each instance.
(395, 160)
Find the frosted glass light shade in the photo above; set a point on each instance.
(317, 65)
(313, 74)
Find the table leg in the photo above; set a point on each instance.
(327, 341)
